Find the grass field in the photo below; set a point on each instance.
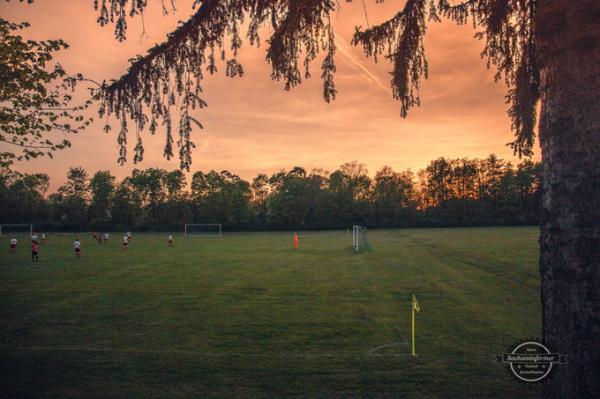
(247, 316)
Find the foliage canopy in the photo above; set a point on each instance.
(35, 96)
(170, 75)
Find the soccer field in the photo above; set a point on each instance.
(244, 315)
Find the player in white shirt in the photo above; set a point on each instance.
(129, 235)
(77, 245)
(34, 237)
(106, 236)
(170, 240)
(13, 246)
(43, 237)
(125, 242)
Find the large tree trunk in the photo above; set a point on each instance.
(568, 40)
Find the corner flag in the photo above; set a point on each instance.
(414, 308)
(415, 304)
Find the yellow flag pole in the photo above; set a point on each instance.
(414, 307)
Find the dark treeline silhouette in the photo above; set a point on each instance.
(448, 192)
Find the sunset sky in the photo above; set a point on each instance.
(252, 125)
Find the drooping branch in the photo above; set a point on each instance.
(401, 38)
(508, 31)
(506, 26)
(305, 28)
(115, 11)
(170, 74)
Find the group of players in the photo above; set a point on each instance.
(100, 238)
(35, 245)
(104, 238)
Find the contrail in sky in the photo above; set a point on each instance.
(343, 49)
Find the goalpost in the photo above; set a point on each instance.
(359, 239)
(8, 228)
(203, 230)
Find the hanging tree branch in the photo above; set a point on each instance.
(36, 97)
(170, 74)
(175, 69)
(506, 26)
(401, 38)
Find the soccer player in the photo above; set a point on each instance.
(295, 240)
(77, 245)
(125, 242)
(106, 238)
(34, 237)
(43, 238)
(34, 251)
(170, 240)
(94, 236)
(129, 235)
(13, 246)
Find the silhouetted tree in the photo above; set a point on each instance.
(260, 193)
(126, 208)
(439, 180)
(393, 197)
(22, 197)
(221, 197)
(350, 185)
(288, 205)
(176, 210)
(69, 204)
(102, 187)
(149, 185)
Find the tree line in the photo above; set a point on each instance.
(448, 192)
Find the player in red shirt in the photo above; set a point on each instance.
(34, 251)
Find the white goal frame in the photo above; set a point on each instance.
(356, 230)
(219, 234)
(2, 226)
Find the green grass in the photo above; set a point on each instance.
(247, 316)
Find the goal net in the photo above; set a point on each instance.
(206, 230)
(360, 241)
(16, 230)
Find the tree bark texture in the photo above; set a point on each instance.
(568, 43)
